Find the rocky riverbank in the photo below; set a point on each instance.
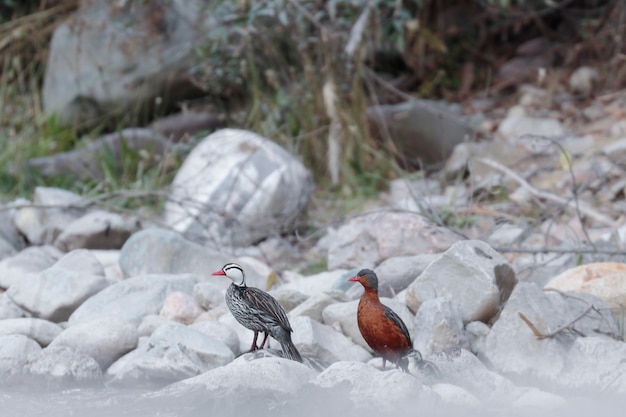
(102, 301)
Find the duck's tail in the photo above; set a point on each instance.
(290, 351)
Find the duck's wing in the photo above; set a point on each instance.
(393, 317)
(267, 304)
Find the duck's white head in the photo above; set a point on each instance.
(234, 272)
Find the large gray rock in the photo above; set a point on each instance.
(59, 367)
(124, 56)
(368, 239)
(160, 251)
(343, 316)
(473, 276)
(323, 342)
(616, 151)
(513, 348)
(133, 299)
(371, 389)
(324, 282)
(6, 249)
(32, 259)
(605, 280)
(515, 126)
(288, 298)
(477, 332)
(461, 368)
(313, 307)
(531, 400)
(209, 349)
(209, 295)
(54, 294)
(12, 240)
(179, 126)
(277, 250)
(248, 374)
(236, 188)
(42, 225)
(422, 196)
(109, 258)
(220, 331)
(42, 331)
(595, 364)
(14, 351)
(456, 396)
(105, 339)
(467, 158)
(149, 324)
(395, 274)
(173, 352)
(8, 308)
(438, 326)
(85, 162)
(423, 132)
(97, 230)
(180, 307)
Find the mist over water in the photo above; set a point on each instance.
(308, 402)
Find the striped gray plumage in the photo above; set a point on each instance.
(258, 311)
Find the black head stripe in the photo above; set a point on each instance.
(228, 267)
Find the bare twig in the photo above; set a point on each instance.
(567, 326)
(11, 30)
(39, 16)
(530, 324)
(612, 95)
(570, 325)
(575, 190)
(510, 249)
(564, 294)
(90, 201)
(387, 86)
(329, 93)
(584, 208)
(614, 333)
(356, 33)
(296, 4)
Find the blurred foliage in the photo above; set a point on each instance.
(9, 9)
(279, 58)
(275, 58)
(280, 68)
(25, 132)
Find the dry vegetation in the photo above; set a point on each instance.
(309, 90)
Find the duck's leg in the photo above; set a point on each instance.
(383, 367)
(264, 340)
(254, 347)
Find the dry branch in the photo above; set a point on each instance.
(40, 22)
(568, 326)
(545, 249)
(531, 325)
(90, 201)
(356, 34)
(543, 195)
(310, 17)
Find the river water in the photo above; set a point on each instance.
(119, 403)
